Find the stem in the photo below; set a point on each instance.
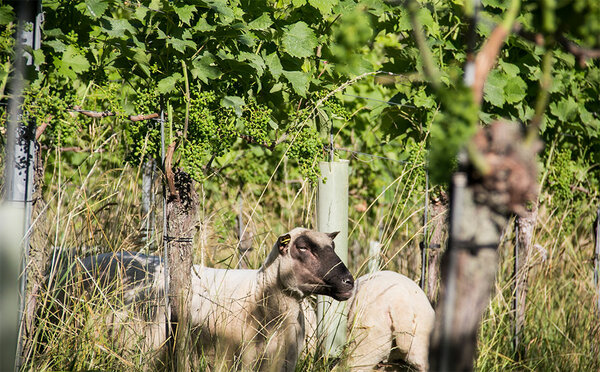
(429, 67)
(187, 100)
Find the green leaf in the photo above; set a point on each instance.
(493, 91)
(203, 26)
(426, 19)
(167, 84)
(274, 65)
(515, 90)
(324, 6)
(185, 13)
(261, 23)
(143, 60)
(500, 4)
(298, 3)
(118, 28)
(72, 63)
(235, 102)
(509, 68)
(6, 14)
(180, 45)
(421, 99)
(221, 7)
(299, 81)
(57, 45)
(299, 40)
(96, 7)
(255, 61)
(203, 68)
(565, 110)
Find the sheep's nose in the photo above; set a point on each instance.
(349, 281)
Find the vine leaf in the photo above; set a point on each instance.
(299, 81)
(203, 68)
(96, 7)
(167, 84)
(299, 40)
(324, 6)
(234, 102)
(261, 23)
(72, 63)
(185, 13)
(515, 89)
(494, 88)
(274, 65)
(565, 110)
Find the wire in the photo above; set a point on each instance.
(373, 156)
(379, 100)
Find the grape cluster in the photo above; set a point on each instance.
(143, 137)
(211, 131)
(306, 150)
(44, 103)
(255, 119)
(333, 105)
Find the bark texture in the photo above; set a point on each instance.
(439, 210)
(526, 225)
(182, 210)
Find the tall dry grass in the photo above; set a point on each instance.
(94, 206)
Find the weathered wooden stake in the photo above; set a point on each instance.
(332, 215)
(597, 257)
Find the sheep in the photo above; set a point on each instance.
(250, 319)
(389, 321)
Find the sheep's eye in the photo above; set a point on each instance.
(302, 248)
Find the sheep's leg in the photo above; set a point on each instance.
(370, 346)
(414, 345)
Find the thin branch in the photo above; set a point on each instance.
(486, 59)
(187, 100)
(103, 114)
(429, 67)
(40, 130)
(141, 117)
(488, 55)
(93, 114)
(582, 54)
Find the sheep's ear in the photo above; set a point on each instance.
(333, 234)
(284, 241)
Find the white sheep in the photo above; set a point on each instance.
(389, 321)
(251, 319)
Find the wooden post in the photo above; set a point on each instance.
(481, 204)
(524, 228)
(597, 257)
(332, 215)
(182, 220)
(439, 233)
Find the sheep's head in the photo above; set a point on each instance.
(314, 267)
